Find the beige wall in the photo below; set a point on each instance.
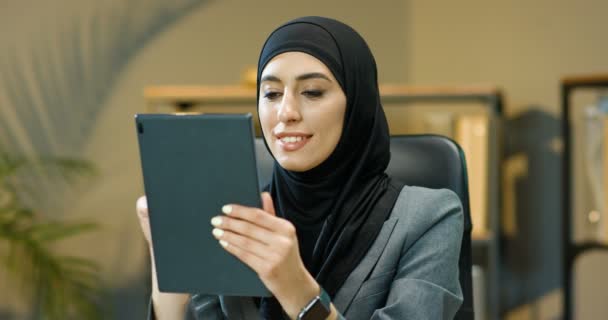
(215, 43)
(523, 46)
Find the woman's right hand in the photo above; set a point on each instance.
(166, 305)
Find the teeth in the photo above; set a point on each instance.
(291, 139)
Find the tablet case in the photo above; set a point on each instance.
(192, 165)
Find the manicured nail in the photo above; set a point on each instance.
(223, 243)
(227, 209)
(142, 202)
(216, 221)
(218, 232)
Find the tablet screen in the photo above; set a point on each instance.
(192, 165)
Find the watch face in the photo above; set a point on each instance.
(316, 312)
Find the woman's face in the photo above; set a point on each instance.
(301, 110)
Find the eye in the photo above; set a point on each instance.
(313, 93)
(272, 95)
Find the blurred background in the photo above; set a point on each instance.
(495, 76)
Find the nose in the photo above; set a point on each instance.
(289, 110)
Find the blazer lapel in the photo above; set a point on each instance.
(351, 286)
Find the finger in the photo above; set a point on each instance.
(253, 215)
(142, 207)
(144, 221)
(267, 203)
(253, 246)
(244, 228)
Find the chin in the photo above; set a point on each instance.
(295, 166)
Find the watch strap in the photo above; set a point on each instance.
(319, 308)
(325, 299)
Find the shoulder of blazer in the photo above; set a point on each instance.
(418, 208)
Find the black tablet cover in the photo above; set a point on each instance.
(192, 165)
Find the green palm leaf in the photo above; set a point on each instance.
(64, 287)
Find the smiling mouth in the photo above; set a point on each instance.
(293, 143)
(292, 139)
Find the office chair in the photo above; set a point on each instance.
(437, 162)
(429, 161)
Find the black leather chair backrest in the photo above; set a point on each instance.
(429, 161)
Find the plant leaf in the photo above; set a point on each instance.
(63, 287)
(53, 231)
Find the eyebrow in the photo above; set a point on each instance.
(306, 76)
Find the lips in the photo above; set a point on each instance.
(292, 141)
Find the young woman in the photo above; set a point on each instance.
(336, 238)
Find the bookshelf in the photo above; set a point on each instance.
(470, 115)
(573, 248)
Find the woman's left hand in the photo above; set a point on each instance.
(268, 244)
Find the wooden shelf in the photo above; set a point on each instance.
(196, 93)
(389, 90)
(214, 93)
(586, 79)
(482, 237)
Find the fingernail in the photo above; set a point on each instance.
(223, 243)
(216, 221)
(142, 202)
(218, 232)
(227, 209)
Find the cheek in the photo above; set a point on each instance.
(330, 124)
(266, 120)
(335, 132)
(336, 115)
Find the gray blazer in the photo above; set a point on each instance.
(410, 272)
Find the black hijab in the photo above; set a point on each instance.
(348, 196)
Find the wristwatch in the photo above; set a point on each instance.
(318, 308)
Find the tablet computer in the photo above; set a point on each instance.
(192, 165)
